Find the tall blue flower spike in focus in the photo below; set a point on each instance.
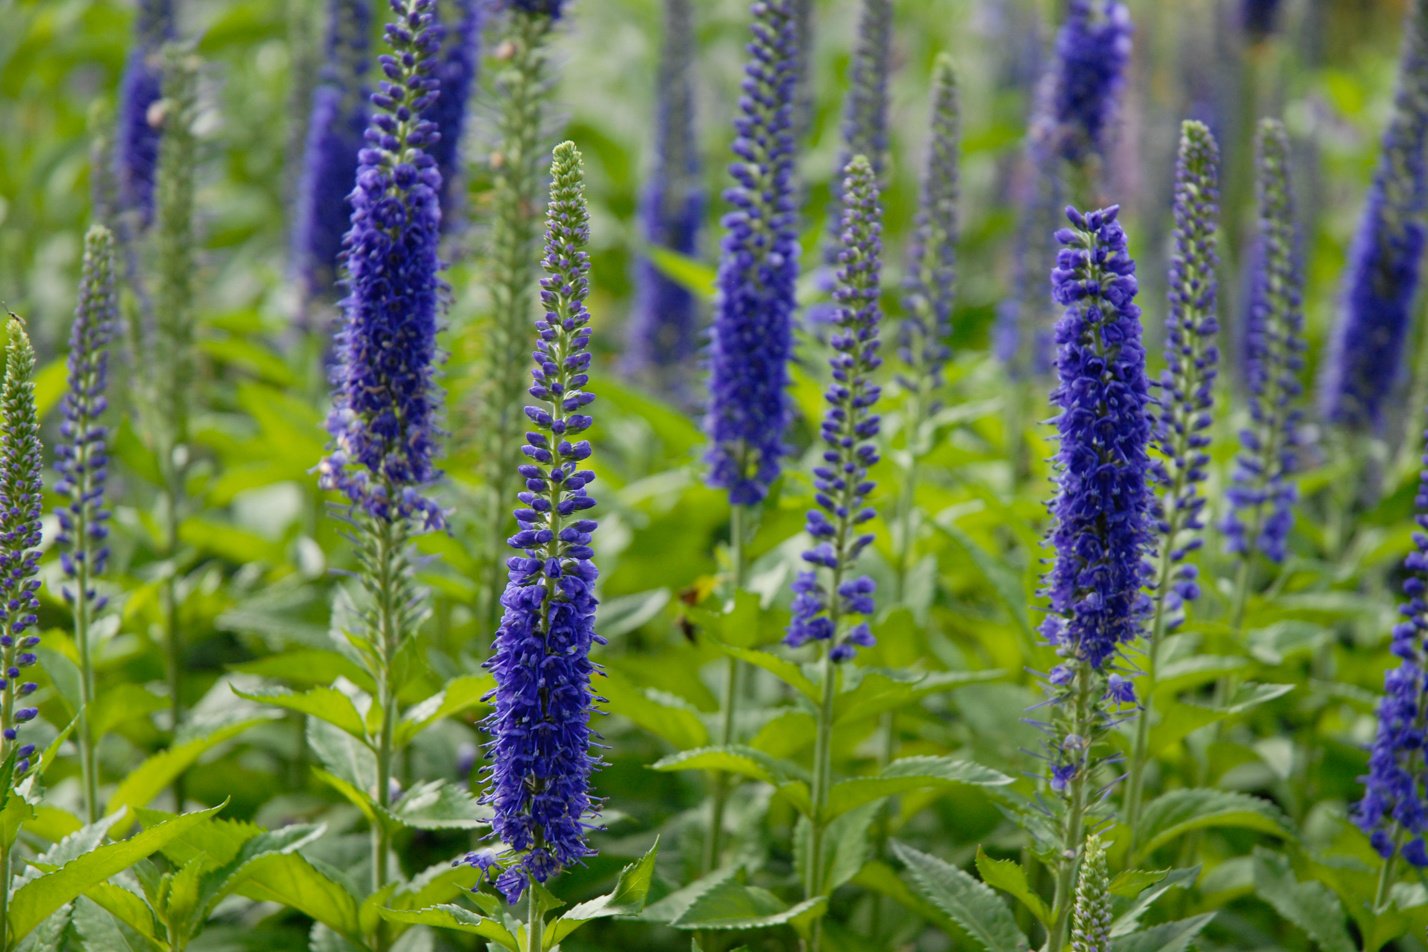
(336, 122)
(1366, 359)
(1092, 54)
(136, 146)
(541, 743)
(1103, 518)
(1263, 492)
(752, 337)
(456, 76)
(832, 605)
(1182, 413)
(751, 340)
(82, 465)
(1394, 808)
(665, 327)
(384, 403)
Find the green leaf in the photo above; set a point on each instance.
(781, 668)
(128, 908)
(343, 755)
(439, 805)
(1008, 876)
(121, 703)
(1311, 906)
(154, 775)
(730, 906)
(39, 897)
(970, 903)
(1180, 811)
(908, 774)
(1169, 937)
(1006, 581)
(626, 899)
(450, 916)
(669, 718)
(324, 703)
(460, 694)
(846, 846)
(695, 276)
(290, 880)
(1175, 879)
(786, 777)
(1129, 883)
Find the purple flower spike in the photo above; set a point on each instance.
(540, 747)
(752, 337)
(334, 137)
(384, 404)
(456, 75)
(1394, 808)
(1366, 355)
(1093, 50)
(136, 146)
(1263, 493)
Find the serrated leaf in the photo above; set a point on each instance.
(668, 717)
(1129, 883)
(908, 774)
(127, 907)
(291, 880)
(971, 904)
(36, 899)
(1008, 876)
(731, 906)
(1180, 811)
(1168, 937)
(153, 776)
(449, 916)
(460, 694)
(1311, 906)
(626, 899)
(324, 703)
(439, 805)
(343, 755)
(786, 777)
(781, 668)
(1175, 879)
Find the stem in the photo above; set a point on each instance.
(173, 640)
(535, 927)
(5, 942)
(88, 765)
(1075, 820)
(729, 699)
(822, 782)
(1135, 789)
(388, 636)
(1385, 876)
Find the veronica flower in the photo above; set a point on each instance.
(1258, 18)
(827, 609)
(1394, 808)
(1366, 359)
(136, 151)
(1182, 412)
(1102, 511)
(1091, 923)
(82, 465)
(752, 340)
(1021, 337)
(1262, 494)
(540, 748)
(20, 498)
(335, 125)
(456, 76)
(929, 288)
(665, 327)
(1092, 52)
(384, 403)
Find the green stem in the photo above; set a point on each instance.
(388, 544)
(822, 782)
(173, 639)
(88, 762)
(1135, 785)
(535, 924)
(1075, 825)
(1385, 876)
(729, 698)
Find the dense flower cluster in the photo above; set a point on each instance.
(1367, 353)
(752, 336)
(1262, 494)
(930, 285)
(382, 421)
(1093, 51)
(82, 455)
(1182, 412)
(1394, 808)
(1091, 916)
(21, 492)
(456, 77)
(1103, 504)
(136, 146)
(665, 326)
(849, 431)
(1259, 18)
(540, 748)
(334, 136)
